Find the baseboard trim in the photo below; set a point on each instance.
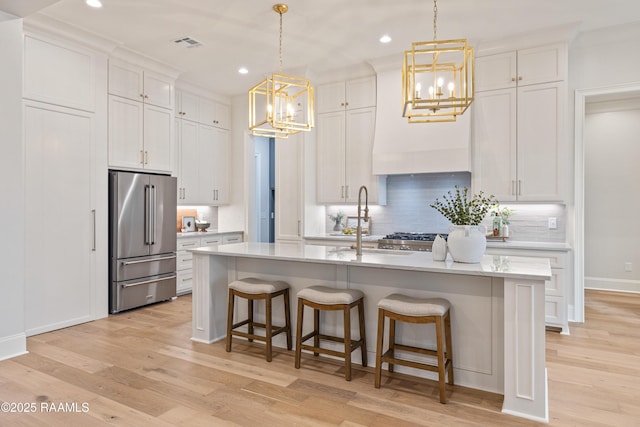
(12, 346)
(608, 284)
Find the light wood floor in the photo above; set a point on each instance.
(140, 369)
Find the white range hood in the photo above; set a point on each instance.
(403, 148)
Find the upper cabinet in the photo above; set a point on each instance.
(202, 110)
(132, 82)
(341, 96)
(140, 118)
(537, 65)
(519, 142)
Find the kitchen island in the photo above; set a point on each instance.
(498, 319)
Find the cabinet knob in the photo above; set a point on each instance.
(513, 79)
(519, 77)
(142, 95)
(146, 97)
(342, 104)
(346, 104)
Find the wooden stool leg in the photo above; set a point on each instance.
(440, 350)
(250, 317)
(392, 341)
(449, 353)
(379, 345)
(347, 342)
(230, 318)
(287, 317)
(269, 326)
(299, 332)
(363, 335)
(316, 330)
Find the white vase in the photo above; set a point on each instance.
(467, 243)
(439, 249)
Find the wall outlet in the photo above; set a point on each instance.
(553, 224)
(628, 266)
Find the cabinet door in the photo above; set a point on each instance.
(60, 236)
(360, 93)
(126, 80)
(207, 164)
(187, 106)
(158, 132)
(496, 71)
(125, 133)
(330, 158)
(221, 166)
(544, 64)
(214, 114)
(330, 97)
(158, 90)
(188, 175)
(289, 182)
(540, 130)
(358, 153)
(223, 116)
(494, 143)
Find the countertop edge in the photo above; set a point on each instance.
(206, 233)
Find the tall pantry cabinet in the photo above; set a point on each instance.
(519, 115)
(65, 146)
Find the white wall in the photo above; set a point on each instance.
(612, 195)
(12, 256)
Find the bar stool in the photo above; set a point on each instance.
(331, 299)
(407, 309)
(253, 289)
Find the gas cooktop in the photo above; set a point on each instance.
(407, 241)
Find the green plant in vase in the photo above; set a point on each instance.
(337, 218)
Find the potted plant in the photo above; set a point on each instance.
(467, 239)
(337, 218)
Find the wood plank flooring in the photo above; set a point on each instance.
(140, 368)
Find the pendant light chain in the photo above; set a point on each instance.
(435, 19)
(280, 13)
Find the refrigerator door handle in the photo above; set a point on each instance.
(147, 215)
(146, 282)
(153, 214)
(142, 261)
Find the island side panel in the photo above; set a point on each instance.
(525, 386)
(209, 300)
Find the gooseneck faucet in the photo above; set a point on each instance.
(365, 218)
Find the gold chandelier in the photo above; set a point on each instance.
(281, 105)
(445, 67)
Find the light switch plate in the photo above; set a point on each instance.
(553, 224)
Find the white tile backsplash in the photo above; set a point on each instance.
(408, 209)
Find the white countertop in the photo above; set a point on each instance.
(491, 265)
(207, 233)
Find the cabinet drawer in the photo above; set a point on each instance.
(211, 241)
(556, 259)
(234, 238)
(554, 309)
(184, 261)
(184, 281)
(188, 243)
(555, 286)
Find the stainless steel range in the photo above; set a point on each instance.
(405, 241)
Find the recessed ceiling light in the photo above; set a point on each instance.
(243, 70)
(94, 3)
(385, 39)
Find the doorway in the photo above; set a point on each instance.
(586, 186)
(264, 163)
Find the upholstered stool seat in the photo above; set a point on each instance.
(252, 289)
(403, 308)
(322, 298)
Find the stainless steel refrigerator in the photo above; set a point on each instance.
(142, 239)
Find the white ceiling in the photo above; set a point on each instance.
(321, 35)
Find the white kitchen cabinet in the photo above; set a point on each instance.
(65, 204)
(519, 141)
(184, 263)
(344, 157)
(188, 159)
(346, 95)
(140, 135)
(214, 113)
(543, 64)
(135, 83)
(289, 188)
(213, 147)
(556, 305)
(187, 106)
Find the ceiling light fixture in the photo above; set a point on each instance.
(281, 105)
(433, 64)
(385, 39)
(94, 3)
(243, 70)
